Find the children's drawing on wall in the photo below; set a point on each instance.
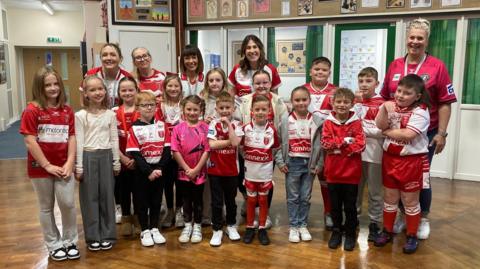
(370, 3)
(161, 14)
(291, 56)
(395, 3)
(261, 6)
(305, 7)
(242, 8)
(348, 6)
(143, 3)
(126, 10)
(211, 9)
(420, 3)
(196, 8)
(226, 7)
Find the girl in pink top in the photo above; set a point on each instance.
(190, 149)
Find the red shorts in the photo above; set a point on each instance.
(404, 173)
(259, 187)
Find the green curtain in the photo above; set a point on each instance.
(271, 56)
(314, 47)
(442, 41)
(471, 81)
(194, 37)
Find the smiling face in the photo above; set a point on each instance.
(141, 58)
(225, 109)
(127, 92)
(300, 101)
(52, 88)
(262, 84)
(405, 97)
(110, 58)
(95, 92)
(260, 112)
(341, 106)
(417, 41)
(320, 73)
(173, 90)
(215, 83)
(252, 52)
(192, 112)
(191, 63)
(367, 85)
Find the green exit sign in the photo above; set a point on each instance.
(53, 39)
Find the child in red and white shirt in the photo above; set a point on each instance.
(405, 123)
(48, 128)
(367, 106)
(344, 140)
(224, 135)
(259, 141)
(149, 145)
(300, 159)
(321, 92)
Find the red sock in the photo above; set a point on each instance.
(251, 204)
(327, 206)
(389, 214)
(263, 213)
(413, 219)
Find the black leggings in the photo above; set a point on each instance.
(148, 200)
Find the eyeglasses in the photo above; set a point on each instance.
(152, 105)
(141, 58)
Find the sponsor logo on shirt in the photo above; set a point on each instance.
(425, 77)
(396, 77)
(51, 133)
(450, 89)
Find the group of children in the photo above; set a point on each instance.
(151, 140)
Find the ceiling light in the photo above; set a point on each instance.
(47, 7)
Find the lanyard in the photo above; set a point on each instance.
(418, 66)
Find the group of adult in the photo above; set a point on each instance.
(416, 61)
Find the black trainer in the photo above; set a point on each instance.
(105, 245)
(94, 246)
(59, 254)
(249, 235)
(350, 241)
(373, 231)
(263, 237)
(335, 239)
(72, 252)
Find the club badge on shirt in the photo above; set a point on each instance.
(396, 77)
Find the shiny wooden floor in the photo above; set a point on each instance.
(454, 242)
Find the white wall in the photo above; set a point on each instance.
(4, 114)
(94, 32)
(31, 27)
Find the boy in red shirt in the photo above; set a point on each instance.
(344, 140)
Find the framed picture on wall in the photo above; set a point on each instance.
(236, 51)
(142, 12)
(291, 56)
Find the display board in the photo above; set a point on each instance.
(142, 12)
(237, 11)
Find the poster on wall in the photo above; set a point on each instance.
(395, 3)
(305, 7)
(448, 3)
(420, 3)
(226, 8)
(242, 8)
(370, 3)
(261, 6)
(142, 12)
(211, 9)
(196, 8)
(348, 6)
(237, 51)
(291, 56)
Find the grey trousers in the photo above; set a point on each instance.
(63, 190)
(96, 196)
(372, 175)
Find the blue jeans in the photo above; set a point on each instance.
(426, 194)
(298, 185)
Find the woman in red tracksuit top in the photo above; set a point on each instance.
(344, 140)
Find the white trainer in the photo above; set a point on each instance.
(423, 229)
(304, 234)
(186, 233)
(197, 233)
(157, 236)
(293, 235)
(232, 233)
(146, 238)
(216, 240)
(179, 222)
(399, 224)
(118, 214)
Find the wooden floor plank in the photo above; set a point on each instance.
(454, 241)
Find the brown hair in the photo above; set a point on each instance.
(368, 72)
(115, 46)
(412, 81)
(191, 50)
(260, 72)
(259, 98)
(38, 87)
(125, 79)
(206, 88)
(164, 86)
(86, 101)
(224, 96)
(300, 88)
(262, 60)
(144, 96)
(323, 60)
(345, 93)
(194, 99)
